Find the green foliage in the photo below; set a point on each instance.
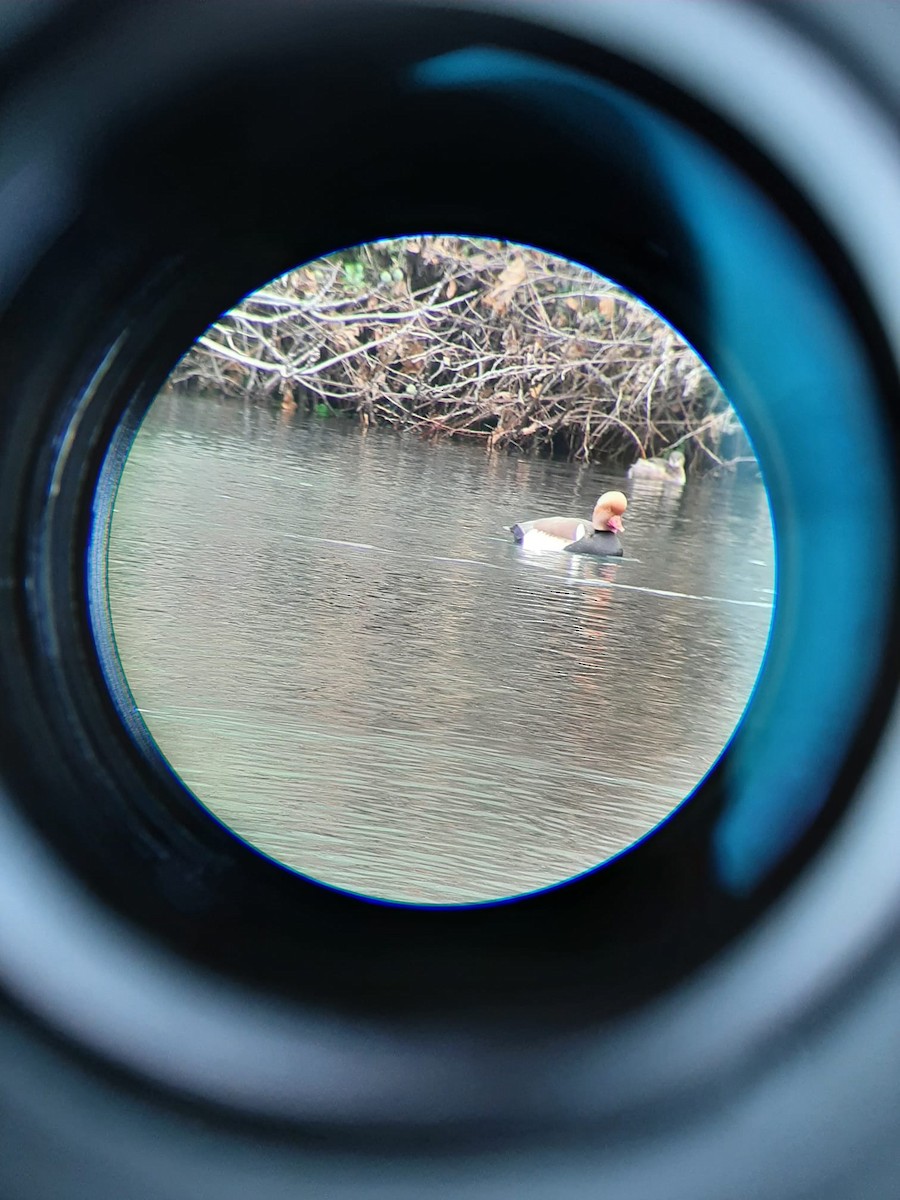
(355, 273)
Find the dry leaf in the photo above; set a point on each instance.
(514, 274)
(413, 361)
(511, 278)
(451, 289)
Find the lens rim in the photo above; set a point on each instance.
(189, 924)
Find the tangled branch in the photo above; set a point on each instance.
(462, 337)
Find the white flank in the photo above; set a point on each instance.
(536, 539)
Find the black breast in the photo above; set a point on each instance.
(598, 541)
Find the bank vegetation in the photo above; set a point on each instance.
(456, 337)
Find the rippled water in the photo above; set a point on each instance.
(345, 657)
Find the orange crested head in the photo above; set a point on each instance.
(608, 512)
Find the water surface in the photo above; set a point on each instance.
(346, 658)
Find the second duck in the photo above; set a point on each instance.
(669, 470)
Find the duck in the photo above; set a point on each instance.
(670, 469)
(599, 535)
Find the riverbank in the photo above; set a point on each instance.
(467, 338)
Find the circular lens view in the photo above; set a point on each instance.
(441, 570)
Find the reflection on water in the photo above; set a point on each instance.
(344, 656)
